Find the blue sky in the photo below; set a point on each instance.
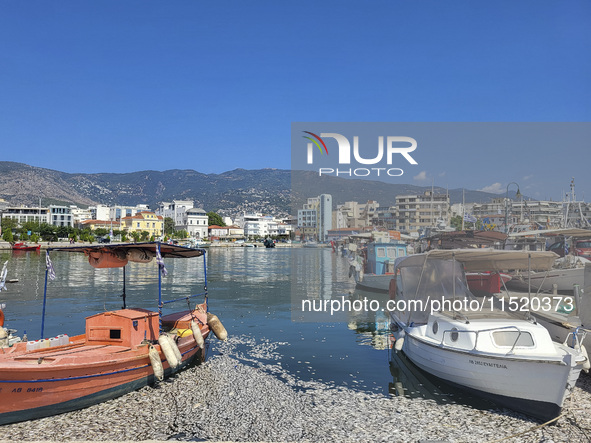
(116, 86)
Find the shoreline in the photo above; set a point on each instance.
(237, 395)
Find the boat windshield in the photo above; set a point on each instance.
(434, 283)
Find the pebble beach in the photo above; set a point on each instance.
(242, 393)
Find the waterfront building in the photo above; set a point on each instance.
(416, 212)
(195, 221)
(257, 225)
(315, 219)
(99, 212)
(117, 212)
(79, 214)
(352, 214)
(96, 224)
(61, 216)
(175, 210)
(144, 221)
(25, 214)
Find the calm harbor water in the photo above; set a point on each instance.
(256, 292)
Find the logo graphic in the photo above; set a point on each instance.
(316, 143)
(388, 147)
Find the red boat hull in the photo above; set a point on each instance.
(49, 381)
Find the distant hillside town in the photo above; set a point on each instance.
(422, 215)
(414, 215)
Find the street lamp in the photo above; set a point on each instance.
(517, 195)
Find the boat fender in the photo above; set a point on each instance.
(197, 334)
(216, 326)
(175, 348)
(1, 318)
(587, 364)
(156, 363)
(398, 344)
(169, 354)
(3, 338)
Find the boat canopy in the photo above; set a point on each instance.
(567, 232)
(420, 281)
(485, 259)
(166, 250)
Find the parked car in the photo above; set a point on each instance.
(580, 248)
(104, 239)
(583, 248)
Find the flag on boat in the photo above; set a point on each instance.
(49, 267)
(160, 262)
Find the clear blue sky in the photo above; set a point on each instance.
(122, 86)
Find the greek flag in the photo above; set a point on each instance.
(3, 277)
(469, 218)
(49, 266)
(160, 262)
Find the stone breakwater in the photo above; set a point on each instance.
(242, 393)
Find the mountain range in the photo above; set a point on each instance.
(277, 192)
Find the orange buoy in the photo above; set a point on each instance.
(216, 326)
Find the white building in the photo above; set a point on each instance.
(315, 219)
(61, 216)
(118, 212)
(175, 210)
(24, 214)
(80, 214)
(100, 212)
(195, 222)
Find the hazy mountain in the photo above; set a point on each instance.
(262, 190)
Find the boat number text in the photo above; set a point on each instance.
(23, 390)
(485, 363)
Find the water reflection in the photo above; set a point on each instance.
(254, 291)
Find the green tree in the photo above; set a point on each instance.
(168, 226)
(7, 235)
(144, 235)
(456, 222)
(48, 232)
(101, 232)
(215, 219)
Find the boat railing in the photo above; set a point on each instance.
(477, 334)
(186, 298)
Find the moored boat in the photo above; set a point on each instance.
(120, 351)
(444, 330)
(21, 246)
(378, 265)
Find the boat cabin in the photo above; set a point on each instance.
(381, 257)
(125, 327)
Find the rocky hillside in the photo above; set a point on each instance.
(229, 193)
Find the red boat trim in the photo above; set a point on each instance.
(85, 376)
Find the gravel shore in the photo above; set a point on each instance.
(242, 394)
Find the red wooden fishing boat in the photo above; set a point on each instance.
(20, 246)
(119, 352)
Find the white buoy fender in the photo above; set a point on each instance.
(156, 363)
(175, 349)
(216, 326)
(398, 344)
(197, 334)
(167, 350)
(587, 364)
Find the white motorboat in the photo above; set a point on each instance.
(444, 330)
(565, 273)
